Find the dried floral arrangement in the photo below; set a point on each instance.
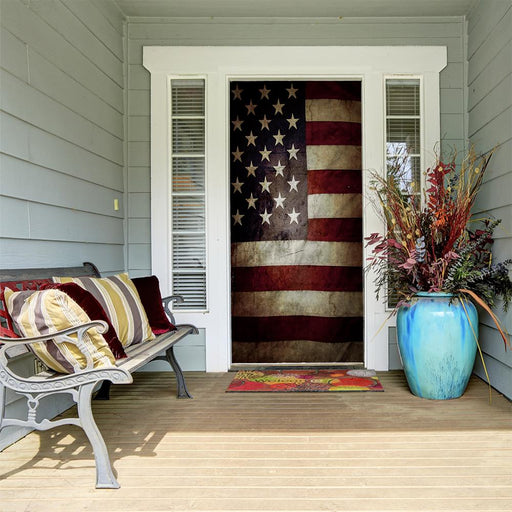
(437, 246)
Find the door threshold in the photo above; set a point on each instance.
(291, 366)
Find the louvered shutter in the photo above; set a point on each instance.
(403, 138)
(188, 199)
(403, 134)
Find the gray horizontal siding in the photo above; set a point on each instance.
(59, 189)
(69, 20)
(489, 124)
(30, 143)
(63, 50)
(112, 14)
(103, 20)
(22, 100)
(63, 134)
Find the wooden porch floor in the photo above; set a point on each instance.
(272, 452)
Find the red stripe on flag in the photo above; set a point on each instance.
(335, 182)
(280, 328)
(304, 277)
(335, 230)
(333, 90)
(333, 133)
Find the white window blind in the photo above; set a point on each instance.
(188, 200)
(403, 132)
(403, 140)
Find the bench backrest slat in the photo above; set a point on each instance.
(26, 274)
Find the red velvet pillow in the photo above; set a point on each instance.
(94, 311)
(151, 298)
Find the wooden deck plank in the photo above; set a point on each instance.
(279, 452)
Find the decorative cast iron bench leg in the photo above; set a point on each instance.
(104, 391)
(105, 478)
(182, 387)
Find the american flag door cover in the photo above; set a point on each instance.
(296, 221)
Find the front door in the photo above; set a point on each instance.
(296, 222)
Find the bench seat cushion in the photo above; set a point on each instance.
(41, 312)
(121, 302)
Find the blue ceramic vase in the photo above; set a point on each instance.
(437, 344)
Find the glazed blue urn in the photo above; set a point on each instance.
(436, 339)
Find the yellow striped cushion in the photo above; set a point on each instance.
(121, 302)
(42, 312)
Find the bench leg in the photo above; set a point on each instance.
(104, 391)
(2, 404)
(182, 387)
(105, 478)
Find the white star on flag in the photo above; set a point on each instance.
(251, 139)
(292, 122)
(278, 107)
(264, 92)
(251, 170)
(237, 124)
(265, 122)
(265, 154)
(279, 201)
(250, 108)
(293, 184)
(265, 185)
(265, 217)
(237, 155)
(279, 169)
(237, 218)
(293, 216)
(279, 137)
(237, 93)
(237, 185)
(251, 201)
(292, 91)
(293, 152)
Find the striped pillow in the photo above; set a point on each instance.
(36, 313)
(93, 310)
(121, 302)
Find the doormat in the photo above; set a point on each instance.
(304, 381)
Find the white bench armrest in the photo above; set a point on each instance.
(64, 336)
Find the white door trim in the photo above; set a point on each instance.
(219, 65)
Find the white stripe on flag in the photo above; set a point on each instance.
(321, 157)
(296, 252)
(299, 303)
(333, 110)
(334, 206)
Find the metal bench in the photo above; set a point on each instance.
(83, 384)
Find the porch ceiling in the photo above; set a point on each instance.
(294, 8)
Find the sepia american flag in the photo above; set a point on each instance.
(296, 221)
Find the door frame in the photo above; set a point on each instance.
(221, 65)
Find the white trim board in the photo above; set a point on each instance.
(219, 65)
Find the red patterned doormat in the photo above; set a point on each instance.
(305, 380)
